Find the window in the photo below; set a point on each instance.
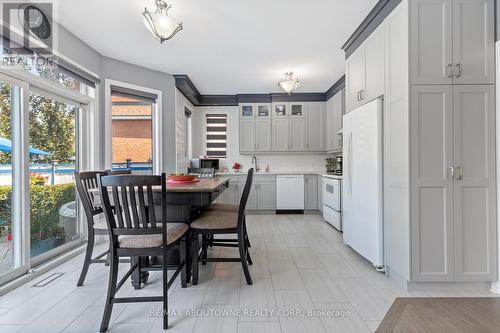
(132, 130)
(217, 135)
(187, 134)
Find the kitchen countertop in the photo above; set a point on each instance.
(275, 173)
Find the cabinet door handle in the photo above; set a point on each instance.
(459, 70)
(450, 71)
(460, 173)
(359, 96)
(362, 95)
(451, 173)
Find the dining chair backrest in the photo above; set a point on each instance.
(118, 172)
(86, 181)
(245, 195)
(132, 211)
(202, 172)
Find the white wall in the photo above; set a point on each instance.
(277, 162)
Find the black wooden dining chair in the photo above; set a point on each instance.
(211, 223)
(86, 181)
(202, 172)
(135, 231)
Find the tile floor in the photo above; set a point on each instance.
(301, 267)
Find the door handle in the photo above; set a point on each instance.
(362, 95)
(459, 70)
(451, 173)
(450, 71)
(460, 173)
(359, 96)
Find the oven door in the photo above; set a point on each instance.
(331, 193)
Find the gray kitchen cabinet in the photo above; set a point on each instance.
(263, 138)
(474, 186)
(297, 140)
(453, 205)
(280, 134)
(266, 195)
(432, 190)
(316, 127)
(263, 193)
(334, 112)
(231, 194)
(452, 41)
(474, 41)
(374, 65)
(311, 192)
(355, 78)
(431, 41)
(247, 134)
(365, 71)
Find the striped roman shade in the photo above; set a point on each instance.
(216, 135)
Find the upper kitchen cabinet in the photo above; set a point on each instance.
(452, 41)
(365, 75)
(255, 128)
(315, 120)
(473, 41)
(334, 111)
(280, 131)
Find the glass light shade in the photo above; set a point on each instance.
(162, 26)
(289, 84)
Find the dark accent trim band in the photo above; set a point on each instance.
(381, 10)
(188, 89)
(337, 86)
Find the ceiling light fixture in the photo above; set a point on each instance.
(289, 84)
(162, 26)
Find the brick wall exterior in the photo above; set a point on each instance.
(132, 137)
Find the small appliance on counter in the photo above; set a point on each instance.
(206, 163)
(334, 165)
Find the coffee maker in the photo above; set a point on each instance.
(338, 165)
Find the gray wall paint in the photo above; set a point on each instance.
(73, 48)
(106, 68)
(121, 71)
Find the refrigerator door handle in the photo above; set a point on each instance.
(349, 162)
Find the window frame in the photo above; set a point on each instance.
(156, 124)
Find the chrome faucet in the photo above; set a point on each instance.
(255, 163)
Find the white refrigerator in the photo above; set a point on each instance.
(362, 190)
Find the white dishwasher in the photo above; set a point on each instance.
(290, 193)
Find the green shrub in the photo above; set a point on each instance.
(45, 201)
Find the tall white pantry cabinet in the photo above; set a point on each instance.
(439, 141)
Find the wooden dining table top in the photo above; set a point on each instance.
(205, 185)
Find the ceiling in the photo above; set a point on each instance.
(227, 46)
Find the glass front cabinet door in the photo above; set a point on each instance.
(247, 111)
(280, 110)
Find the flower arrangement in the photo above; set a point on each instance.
(236, 167)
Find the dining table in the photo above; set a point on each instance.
(185, 201)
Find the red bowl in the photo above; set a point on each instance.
(182, 178)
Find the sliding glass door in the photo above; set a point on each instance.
(52, 161)
(12, 230)
(38, 155)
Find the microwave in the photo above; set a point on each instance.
(209, 163)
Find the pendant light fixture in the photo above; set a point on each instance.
(289, 84)
(162, 26)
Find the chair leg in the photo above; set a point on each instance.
(246, 236)
(204, 248)
(243, 255)
(113, 277)
(183, 261)
(165, 289)
(249, 259)
(194, 257)
(88, 258)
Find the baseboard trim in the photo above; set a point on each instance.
(289, 211)
(449, 286)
